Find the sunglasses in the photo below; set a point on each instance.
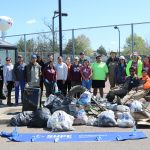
(7, 60)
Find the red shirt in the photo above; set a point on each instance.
(86, 71)
(49, 73)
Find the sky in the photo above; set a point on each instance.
(29, 15)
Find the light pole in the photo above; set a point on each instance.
(115, 27)
(56, 14)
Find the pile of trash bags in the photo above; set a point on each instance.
(59, 115)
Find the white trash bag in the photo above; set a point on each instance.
(81, 118)
(125, 120)
(85, 98)
(136, 106)
(107, 119)
(60, 121)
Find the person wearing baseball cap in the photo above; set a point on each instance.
(19, 78)
(33, 72)
(120, 71)
(112, 62)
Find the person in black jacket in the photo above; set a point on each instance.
(2, 96)
(42, 64)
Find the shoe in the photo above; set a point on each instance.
(2, 97)
(9, 104)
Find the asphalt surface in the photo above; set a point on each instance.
(7, 112)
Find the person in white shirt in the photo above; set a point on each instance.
(62, 73)
(8, 78)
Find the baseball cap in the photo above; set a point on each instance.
(34, 56)
(77, 58)
(122, 57)
(19, 56)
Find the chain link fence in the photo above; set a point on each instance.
(43, 44)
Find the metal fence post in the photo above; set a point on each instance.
(25, 49)
(73, 43)
(132, 34)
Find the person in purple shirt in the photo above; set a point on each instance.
(75, 73)
(86, 73)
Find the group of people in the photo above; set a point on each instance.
(63, 75)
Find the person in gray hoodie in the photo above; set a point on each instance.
(62, 73)
(19, 78)
(8, 78)
(33, 72)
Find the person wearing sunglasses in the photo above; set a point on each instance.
(8, 78)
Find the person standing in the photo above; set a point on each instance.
(51, 58)
(19, 78)
(136, 63)
(41, 63)
(67, 85)
(82, 57)
(112, 62)
(2, 96)
(75, 73)
(86, 73)
(49, 77)
(33, 72)
(120, 71)
(146, 64)
(99, 75)
(62, 73)
(8, 78)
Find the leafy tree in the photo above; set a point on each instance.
(81, 43)
(140, 45)
(101, 50)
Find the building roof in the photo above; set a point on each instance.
(6, 45)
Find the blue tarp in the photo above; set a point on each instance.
(72, 137)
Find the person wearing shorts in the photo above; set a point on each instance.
(99, 75)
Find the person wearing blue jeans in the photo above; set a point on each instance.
(18, 84)
(86, 73)
(19, 78)
(87, 84)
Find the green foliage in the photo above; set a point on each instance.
(101, 50)
(81, 43)
(140, 45)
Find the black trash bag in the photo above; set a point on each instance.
(40, 118)
(21, 119)
(119, 92)
(55, 103)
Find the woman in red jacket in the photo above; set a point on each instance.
(49, 75)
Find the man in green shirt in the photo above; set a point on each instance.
(99, 75)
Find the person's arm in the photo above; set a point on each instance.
(81, 72)
(90, 76)
(65, 73)
(106, 71)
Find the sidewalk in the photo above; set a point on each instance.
(7, 112)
